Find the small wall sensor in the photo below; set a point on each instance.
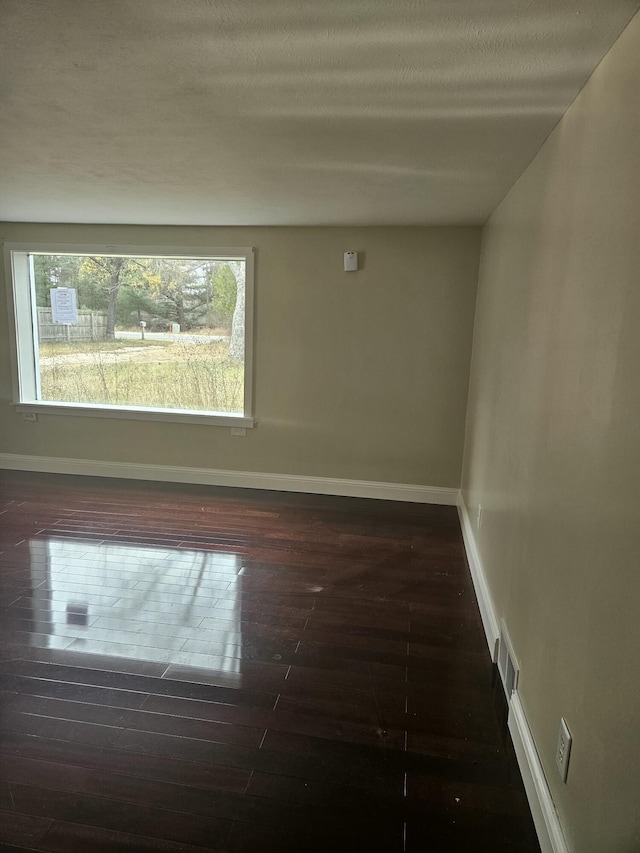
(350, 261)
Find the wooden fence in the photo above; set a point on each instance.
(91, 326)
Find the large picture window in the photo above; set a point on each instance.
(133, 333)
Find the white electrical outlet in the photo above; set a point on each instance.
(563, 750)
(479, 517)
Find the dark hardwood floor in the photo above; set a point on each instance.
(191, 669)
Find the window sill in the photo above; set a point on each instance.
(135, 414)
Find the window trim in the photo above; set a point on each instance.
(23, 345)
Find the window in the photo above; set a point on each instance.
(133, 332)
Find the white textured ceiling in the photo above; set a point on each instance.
(284, 111)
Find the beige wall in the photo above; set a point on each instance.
(357, 375)
(553, 446)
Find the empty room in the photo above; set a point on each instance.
(320, 426)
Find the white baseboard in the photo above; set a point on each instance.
(241, 479)
(485, 603)
(543, 811)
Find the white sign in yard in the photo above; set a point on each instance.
(64, 305)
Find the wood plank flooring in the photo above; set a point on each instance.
(195, 669)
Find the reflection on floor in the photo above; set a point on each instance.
(143, 602)
(190, 669)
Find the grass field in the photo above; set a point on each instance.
(136, 373)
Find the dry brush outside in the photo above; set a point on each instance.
(200, 377)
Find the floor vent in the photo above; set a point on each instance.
(507, 663)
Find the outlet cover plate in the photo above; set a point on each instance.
(563, 750)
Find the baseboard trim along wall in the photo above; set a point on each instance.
(485, 603)
(544, 813)
(238, 479)
(543, 810)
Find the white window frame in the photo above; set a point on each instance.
(24, 344)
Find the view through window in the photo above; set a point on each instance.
(133, 331)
